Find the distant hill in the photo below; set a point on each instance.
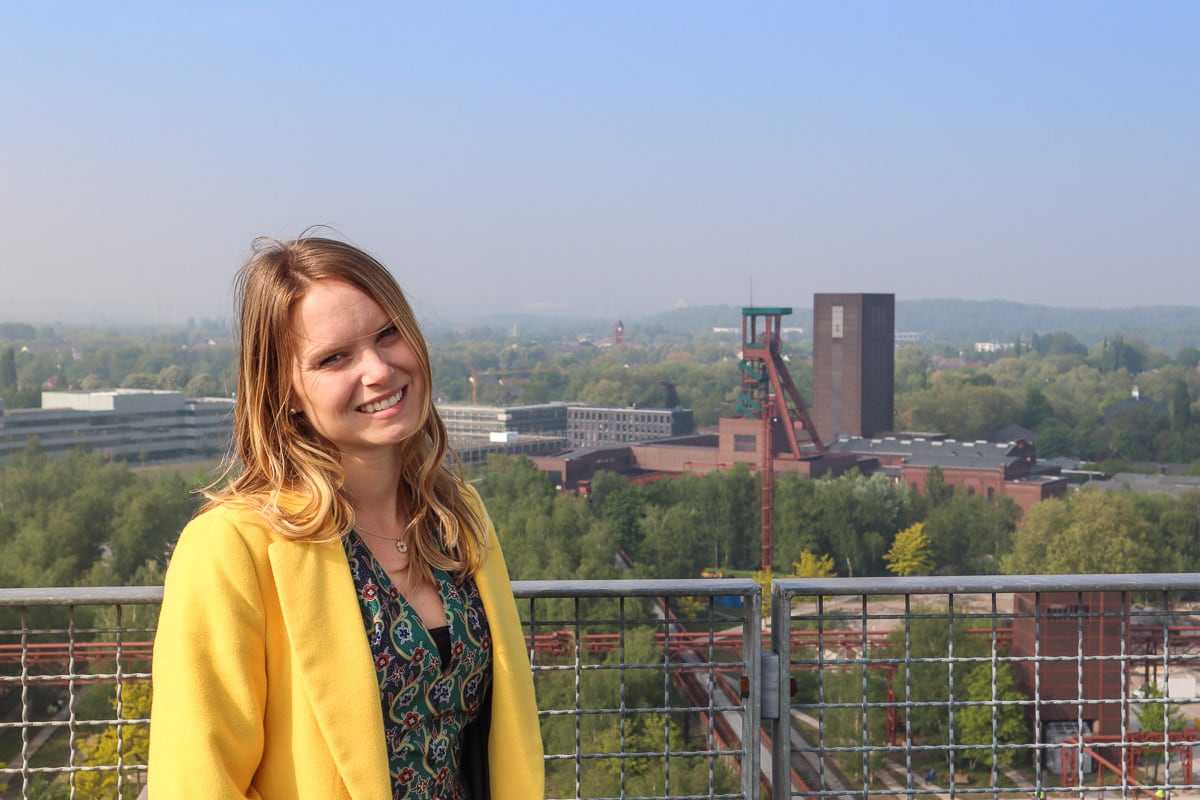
(1167, 328)
(960, 322)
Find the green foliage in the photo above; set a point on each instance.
(1087, 532)
(962, 407)
(854, 719)
(8, 369)
(203, 384)
(910, 553)
(812, 566)
(545, 535)
(1037, 410)
(1157, 715)
(976, 723)
(937, 491)
(1188, 357)
(621, 505)
(928, 632)
(913, 368)
(642, 732)
(852, 518)
(1175, 529)
(1115, 353)
(1058, 343)
(102, 749)
(694, 521)
(968, 535)
(81, 520)
(764, 579)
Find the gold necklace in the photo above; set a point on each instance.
(399, 543)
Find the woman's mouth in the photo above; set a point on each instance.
(380, 405)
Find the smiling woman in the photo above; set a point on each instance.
(356, 378)
(338, 620)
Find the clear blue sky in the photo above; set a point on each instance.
(606, 157)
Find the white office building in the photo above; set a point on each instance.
(124, 424)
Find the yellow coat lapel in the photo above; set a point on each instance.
(333, 659)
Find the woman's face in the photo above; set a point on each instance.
(355, 377)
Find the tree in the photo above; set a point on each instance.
(937, 491)
(1059, 343)
(924, 679)
(1087, 532)
(132, 742)
(79, 520)
(1037, 408)
(964, 408)
(976, 721)
(1158, 716)
(1181, 407)
(968, 535)
(173, 377)
(652, 742)
(853, 518)
(8, 369)
(1132, 432)
(912, 369)
(1116, 354)
(622, 505)
(809, 566)
(910, 553)
(148, 518)
(202, 384)
(139, 380)
(1188, 357)
(1176, 521)
(813, 566)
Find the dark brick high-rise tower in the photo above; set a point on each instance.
(854, 364)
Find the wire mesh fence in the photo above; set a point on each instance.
(647, 689)
(1057, 686)
(75, 691)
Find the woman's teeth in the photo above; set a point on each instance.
(380, 405)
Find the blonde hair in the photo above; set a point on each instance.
(290, 473)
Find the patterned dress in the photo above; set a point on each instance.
(427, 699)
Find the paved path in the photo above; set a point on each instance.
(40, 738)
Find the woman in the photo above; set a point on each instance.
(338, 621)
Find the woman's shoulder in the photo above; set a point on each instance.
(228, 522)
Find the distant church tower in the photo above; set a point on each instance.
(619, 334)
(854, 364)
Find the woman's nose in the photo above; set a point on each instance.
(376, 368)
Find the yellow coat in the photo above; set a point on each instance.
(264, 685)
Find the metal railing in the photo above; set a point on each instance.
(647, 689)
(994, 686)
(1008, 687)
(74, 690)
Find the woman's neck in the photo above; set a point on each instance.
(373, 488)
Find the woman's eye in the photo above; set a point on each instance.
(388, 332)
(330, 360)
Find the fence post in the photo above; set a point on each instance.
(752, 702)
(781, 725)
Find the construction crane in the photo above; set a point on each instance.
(521, 375)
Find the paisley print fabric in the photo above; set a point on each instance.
(426, 703)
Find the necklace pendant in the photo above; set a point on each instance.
(401, 546)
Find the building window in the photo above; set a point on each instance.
(745, 443)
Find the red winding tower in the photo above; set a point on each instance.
(767, 387)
